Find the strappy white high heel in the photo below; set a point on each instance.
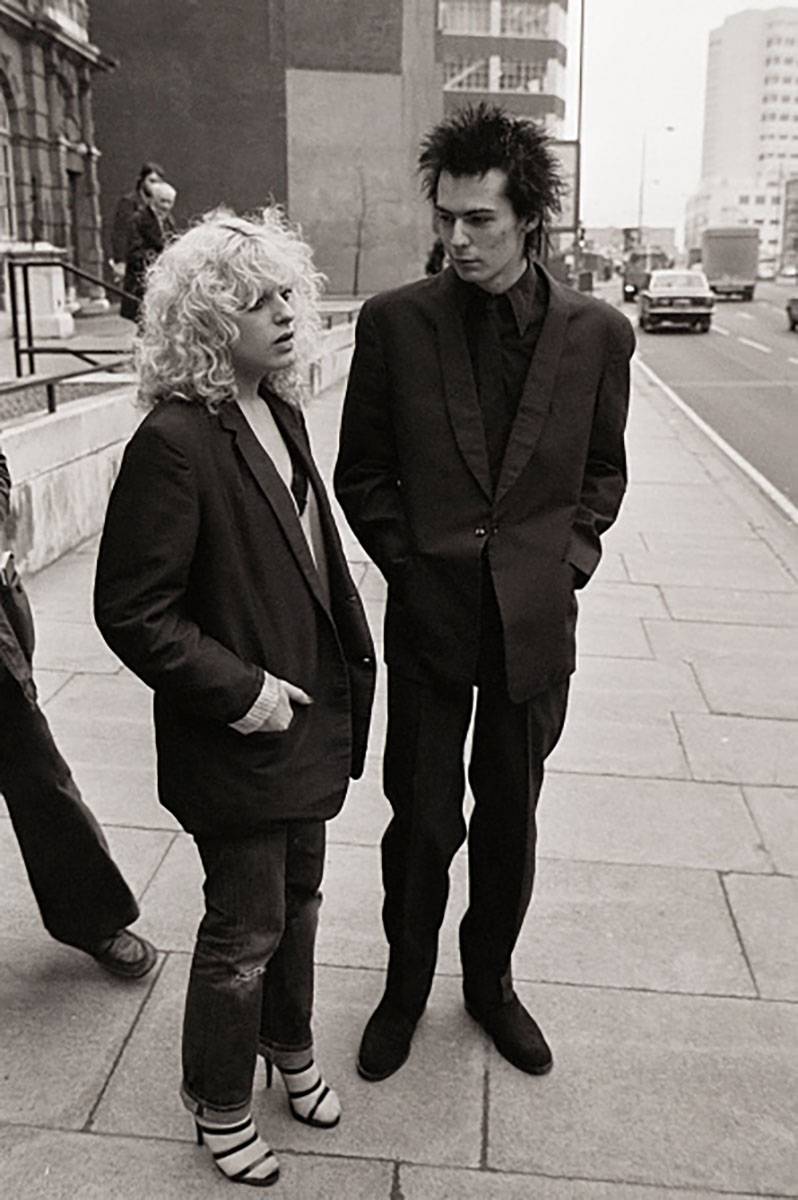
(312, 1101)
(240, 1152)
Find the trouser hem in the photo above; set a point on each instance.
(224, 1114)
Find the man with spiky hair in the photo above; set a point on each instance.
(481, 459)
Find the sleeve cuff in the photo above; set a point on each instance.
(262, 708)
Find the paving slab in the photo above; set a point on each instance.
(123, 795)
(73, 646)
(756, 570)
(611, 569)
(63, 591)
(775, 811)
(648, 465)
(635, 688)
(49, 1165)
(648, 821)
(659, 928)
(732, 606)
(668, 541)
(601, 742)
(698, 509)
(702, 641)
(64, 1023)
(766, 912)
(621, 600)
(48, 683)
(85, 735)
(740, 749)
(118, 697)
(366, 813)
(439, 1090)
(671, 1091)
(750, 686)
(431, 1183)
(619, 637)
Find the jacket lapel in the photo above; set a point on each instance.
(459, 385)
(273, 488)
(538, 392)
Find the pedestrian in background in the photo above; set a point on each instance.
(83, 899)
(481, 459)
(221, 583)
(130, 203)
(150, 228)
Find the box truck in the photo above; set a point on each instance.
(729, 257)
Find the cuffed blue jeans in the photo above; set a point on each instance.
(251, 981)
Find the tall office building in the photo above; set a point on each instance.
(511, 52)
(750, 144)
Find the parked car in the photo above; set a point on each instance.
(676, 298)
(792, 312)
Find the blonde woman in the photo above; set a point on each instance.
(221, 583)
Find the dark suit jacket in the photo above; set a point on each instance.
(146, 238)
(204, 579)
(413, 478)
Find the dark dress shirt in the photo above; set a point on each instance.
(502, 332)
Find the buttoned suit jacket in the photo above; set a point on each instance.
(413, 478)
(204, 581)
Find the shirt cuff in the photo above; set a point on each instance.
(262, 708)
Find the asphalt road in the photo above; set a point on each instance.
(741, 378)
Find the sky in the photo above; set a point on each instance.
(644, 70)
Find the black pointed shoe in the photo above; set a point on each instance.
(385, 1044)
(515, 1034)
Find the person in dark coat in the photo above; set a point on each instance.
(82, 897)
(151, 227)
(128, 205)
(221, 582)
(481, 459)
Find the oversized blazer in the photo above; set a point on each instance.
(413, 478)
(204, 581)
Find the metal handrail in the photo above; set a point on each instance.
(50, 382)
(30, 348)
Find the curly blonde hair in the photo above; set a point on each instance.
(216, 269)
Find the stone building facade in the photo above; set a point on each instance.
(49, 190)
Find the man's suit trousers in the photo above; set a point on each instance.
(424, 780)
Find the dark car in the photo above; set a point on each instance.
(680, 298)
(792, 312)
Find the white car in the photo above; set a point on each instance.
(681, 298)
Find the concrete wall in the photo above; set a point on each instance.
(353, 138)
(63, 465)
(200, 89)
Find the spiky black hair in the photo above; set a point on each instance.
(483, 136)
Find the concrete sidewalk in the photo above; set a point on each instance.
(658, 953)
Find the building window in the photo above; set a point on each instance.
(7, 222)
(465, 16)
(520, 18)
(522, 77)
(466, 75)
(744, 200)
(760, 200)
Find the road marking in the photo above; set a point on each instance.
(773, 493)
(793, 360)
(756, 345)
(724, 332)
(745, 316)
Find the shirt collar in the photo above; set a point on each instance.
(524, 297)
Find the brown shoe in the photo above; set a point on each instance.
(126, 954)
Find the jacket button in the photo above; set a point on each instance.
(367, 660)
(480, 531)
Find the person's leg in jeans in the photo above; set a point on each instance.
(286, 1038)
(81, 894)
